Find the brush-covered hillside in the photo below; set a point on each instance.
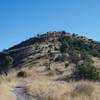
(51, 66)
(52, 46)
(56, 52)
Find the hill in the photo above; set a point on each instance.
(30, 51)
(52, 66)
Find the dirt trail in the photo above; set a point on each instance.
(21, 93)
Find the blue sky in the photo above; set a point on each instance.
(22, 19)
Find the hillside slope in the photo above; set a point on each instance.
(30, 51)
(49, 61)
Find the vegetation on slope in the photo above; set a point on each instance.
(79, 49)
(58, 47)
(5, 62)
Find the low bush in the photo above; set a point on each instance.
(59, 58)
(22, 74)
(66, 65)
(87, 71)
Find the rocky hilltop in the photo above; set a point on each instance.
(38, 48)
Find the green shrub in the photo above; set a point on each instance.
(63, 48)
(87, 71)
(66, 65)
(55, 48)
(59, 58)
(95, 53)
(86, 57)
(22, 74)
(5, 63)
(8, 60)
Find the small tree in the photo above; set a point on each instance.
(5, 63)
(63, 48)
(86, 57)
(74, 35)
(87, 71)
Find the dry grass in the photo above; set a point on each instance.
(83, 88)
(7, 85)
(45, 88)
(50, 90)
(6, 92)
(6, 88)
